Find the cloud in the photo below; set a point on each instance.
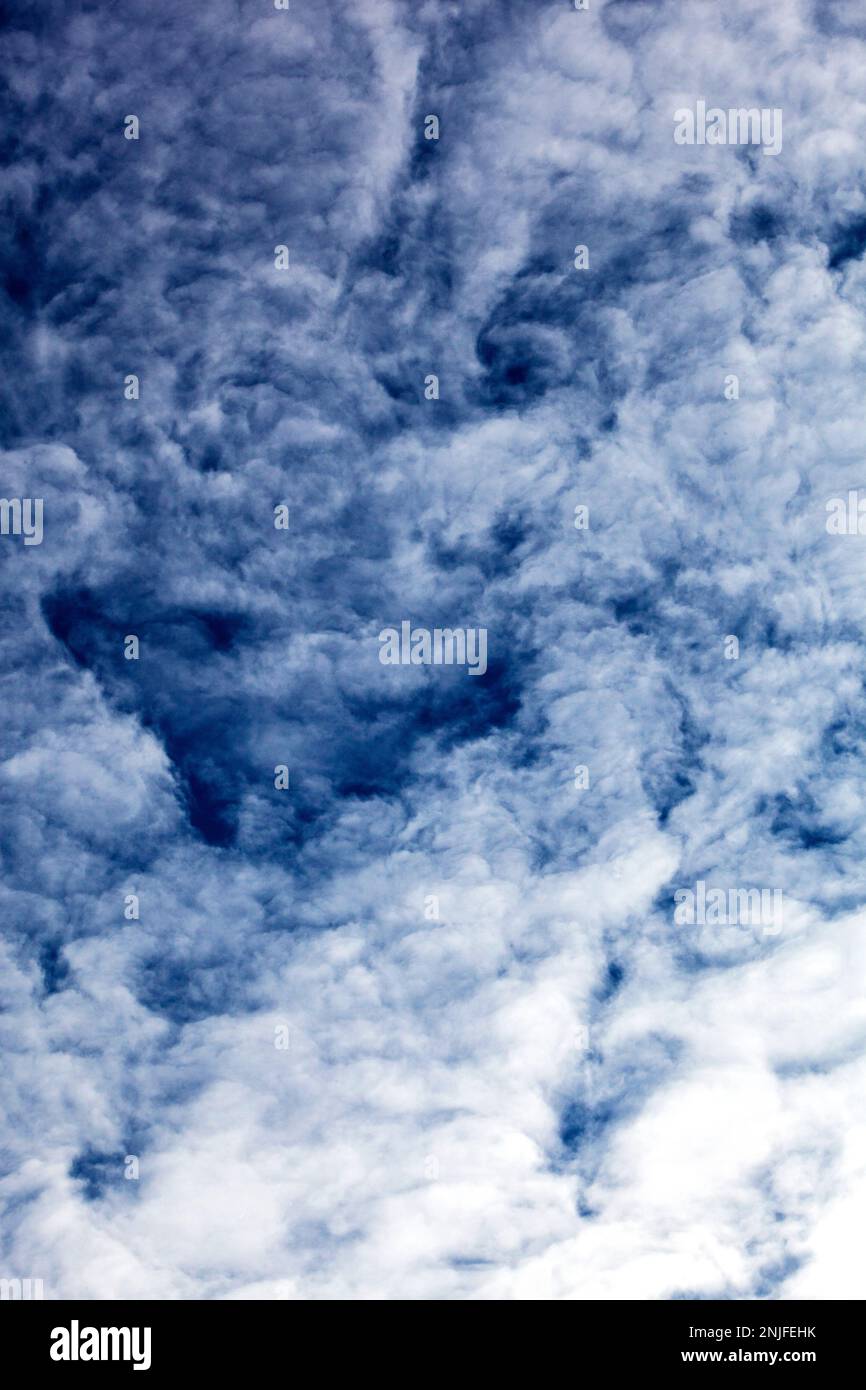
(509, 1074)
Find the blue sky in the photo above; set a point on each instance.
(510, 1074)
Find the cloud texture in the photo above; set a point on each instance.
(547, 1090)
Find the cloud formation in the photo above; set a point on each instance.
(509, 1074)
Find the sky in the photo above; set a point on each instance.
(422, 1024)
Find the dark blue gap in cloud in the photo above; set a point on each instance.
(545, 332)
(23, 267)
(847, 242)
(359, 747)
(844, 737)
(669, 773)
(494, 555)
(451, 706)
(758, 223)
(798, 821)
(198, 985)
(55, 970)
(614, 976)
(584, 1121)
(96, 1169)
(772, 1276)
(637, 612)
